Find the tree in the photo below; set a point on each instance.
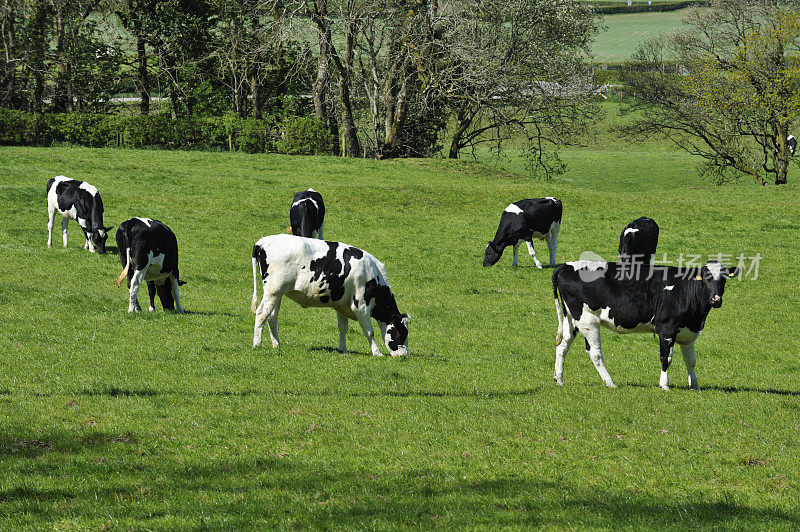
(727, 89)
(517, 68)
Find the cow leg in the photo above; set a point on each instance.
(665, 346)
(366, 326)
(174, 282)
(136, 282)
(552, 243)
(151, 291)
(344, 323)
(591, 331)
(516, 247)
(561, 349)
(88, 244)
(321, 231)
(51, 214)
(688, 358)
(269, 303)
(64, 224)
(533, 253)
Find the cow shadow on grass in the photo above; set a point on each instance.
(724, 389)
(357, 352)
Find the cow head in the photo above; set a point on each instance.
(99, 237)
(714, 275)
(493, 254)
(396, 335)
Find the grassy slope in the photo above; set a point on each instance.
(163, 421)
(620, 35)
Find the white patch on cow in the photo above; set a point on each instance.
(145, 221)
(306, 199)
(310, 190)
(715, 268)
(551, 198)
(670, 287)
(629, 231)
(155, 263)
(513, 209)
(590, 265)
(88, 188)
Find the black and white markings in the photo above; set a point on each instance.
(316, 273)
(673, 305)
(148, 251)
(638, 241)
(523, 221)
(307, 214)
(79, 201)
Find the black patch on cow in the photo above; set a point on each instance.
(304, 216)
(537, 216)
(640, 244)
(260, 254)
(324, 299)
(355, 302)
(331, 272)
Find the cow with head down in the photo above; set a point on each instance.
(79, 201)
(316, 273)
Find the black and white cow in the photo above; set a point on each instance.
(79, 201)
(638, 241)
(673, 303)
(316, 273)
(523, 221)
(148, 251)
(307, 214)
(791, 143)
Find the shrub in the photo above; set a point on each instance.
(304, 135)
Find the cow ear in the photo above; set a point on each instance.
(109, 228)
(734, 272)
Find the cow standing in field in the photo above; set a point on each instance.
(79, 201)
(673, 304)
(638, 241)
(791, 143)
(523, 221)
(148, 251)
(307, 214)
(316, 273)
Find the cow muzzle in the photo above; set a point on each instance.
(716, 301)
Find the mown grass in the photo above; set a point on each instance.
(160, 421)
(620, 35)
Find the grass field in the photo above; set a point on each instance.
(160, 421)
(620, 35)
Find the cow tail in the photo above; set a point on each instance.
(559, 315)
(254, 303)
(124, 273)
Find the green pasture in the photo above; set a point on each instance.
(620, 35)
(157, 421)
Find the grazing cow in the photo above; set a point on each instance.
(674, 304)
(791, 142)
(638, 240)
(79, 201)
(148, 251)
(316, 273)
(307, 214)
(523, 221)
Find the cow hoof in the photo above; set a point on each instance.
(151, 308)
(665, 388)
(610, 385)
(275, 345)
(539, 265)
(558, 381)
